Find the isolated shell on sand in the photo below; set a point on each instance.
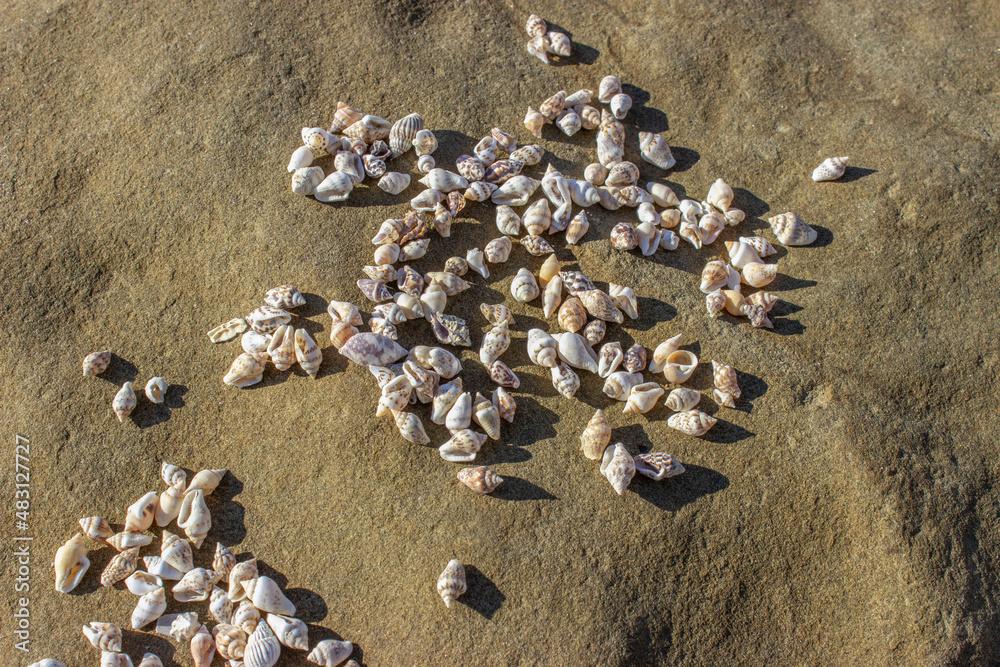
(682, 399)
(451, 584)
(96, 363)
(791, 230)
(596, 436)
(370, 349)
(830, 169)
(654, 149)
(618, 466)
(727, 388)
(480, 479)
(657, 465)
(124, 402)
(330, 653)
(691, 422)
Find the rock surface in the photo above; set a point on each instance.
(845, 513)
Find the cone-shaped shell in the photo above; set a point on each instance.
(480, 479)
(291, 632)
(830, 169)
(263, 648)
(266, 595)
(370, 349)
(791, 230)
(103, 636)
(451, 584)
(691, 422)
(330, 652)
(596, 436)
(618, 466)
(149, 607)
(403, 132)
(124, 402)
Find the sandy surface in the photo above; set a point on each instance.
(845, 513)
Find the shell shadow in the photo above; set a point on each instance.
(824, 237)
(482, 595)
(534, 422)
(686, 158)
(786, 327)
(119, 371)
(99, 558)
(309, 605)
(499, 453)
(228, 526)
(451, 144)
(148, 414)
(750, 203)
(518, 488)
(137, 644)
(314, 305)
(785, 283)
(852, 174)
(724, 432)
(671, 494)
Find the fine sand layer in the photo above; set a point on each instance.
(845, 513)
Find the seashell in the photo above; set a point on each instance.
(630, 195)
(620, 105)
(158, 567)
(179, 627)
(340, 333)
(428, 199)
(331, 652)
(607, 199)
(655, 150)
(451, 584)
(282, 347)
(610, 86)
(96, 363)
(395, 395)
(715, 302)
(195, 586)
(576, 281)
(537, 218)
(657, 465)
(609, 359)
(559, 43)
(266, 595)
(543, 349)
(71, 563)
(262, 649)
(301, 157)
(596, 436)
(207, 480)
(552, 296)
(441, 361)
(386, 254)
(555, 186)
(122, 565)
(734, 216)
(635, 358)
(682, 399)
(433, 300)
(717, 274)
(575, 351)
(267, 319)
(456, 202)
(451, 330)
(411, 283)
(194, 518)
(403, 132)
(486, 149)
(239, 573)
(662, 194)
(504, 403)
(444, 399)
(103, 636)
(619, 384)
(480, 191)
(727, 388)
(741, 254)
(534, 121)
(443, 180)
(220, 606)
(128, 539)
(220, 334)
(649, 238)
(620, 174)
(472, 168)
(254, 343)
(720, 195)
(582, 193)
(503, 170)
(357, 146)
(600, 305)
(475, 259)
(508, 222)
(379, 149)
(549, 270)
(414, 250)
(760, 244)
(480, 479)
(394, 182)
(495, 343)
(503, 375)
(590, 117)
(487, 416)
(646, 212)
(610, 140)
(618, 466)
(515, 192)
(670, 218)
(169, 505)
(424, 142)
(624, 298)
(577, 228)
(149, 607)
(344, 116)
(411, 428)
(246, 617)
(388, 232)
(368, 129)
(202, 647)
(524, 288)
(830, 169)
(689, 232)
(462, 447)
(383, 374)
(565, 381)
(124, 402)
(669, 240)
(623, 237)
(384, 327)
(425, 163)
(691, 422)
(307, 353)
(52, 662)
(139, 515)
(530, 155)
(536, 245)
(765, 300)
(96, 527)
(334, 188)
(643, 397)
(496, 314)
(173, 475)
(369, 349)
(710, 226)
(460, 415)
(791, 230)
(350, 163)
(569, 122)
(553, 106)
(230, 641)
(115, 659)
(596, 173)
(679, 365)
(291, 632)
(757, 274)
(449, 282)
(595, 331)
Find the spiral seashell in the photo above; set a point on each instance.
(662, 194)
(565, 381)
(610, 140)
(403, 132)
(368, 128)
(305, 180)
(220, 334)
(139, 515)
(536, 245)
(71, 563)
(635, 358)
(657, 465)
(569, 122)
(254, 343)
(124, 402)
(451, 584)
(281, 349)
(515, 192)
(195, 586)
(619, 384)
(96, 527)
(496, 314)
(128, 539)
(414, 250)
(411, 428)
(620, 105)
(160, 569)
(610, 86)
(670, 218)
(462, 447)
(472, 168)
(150, 607)
(265, 594)
(503, 375)
(262, 649)
(115, 659)
(503, 170)
(595, 331)
(607, 199)
(239, 573)
(555, 186)
(830, 169)
(220, 606)
(654, 149)
(618, 466)
(720, 195)
(96, 363)
(383, 327)
(575, 350)
(689, 232)
(727, 388)
(425, 163)
(542, 348)
(411, 284)
(576, 282)
(669, 240)
(643, 397)
(202, 647)
(336, 187)
(475, 259)
(449, 282)
(715, 302)
(577, 228)
(679, 366)
(559, 43)
(480, 479)
(618, 174)
(537, 218)
(395, 395)
(596, 436)
(552, 296)
(246, 617)
(601, 306)
(765, 300)
(427, 200)
(710, 226)
(307, 353)
(717, 274)
(623, 237)
(245, 370)
(267, 319)
(524, 288)
(553, 106)
(433, 300)
(757, 274)
(595, 173)
(460, 415)
(331, 652)
(791, 230)
(609, 359)
(741, 254)
(374, 167)
(394, 182)
(760, 244)
(624, 298)
(103, 636)
(122, 565)
(441, 361)
(344, 116)
(443, 180)
(302, 156)
(649, 238)
(495, 343)
(682, 399)
(451, 330)
(340, 333)
(487, 416)
(582, 193)
(230, 641)
(530, 155)
(444, 399)
(194, 518)
(369, 349)
(149, 660)
(691, 422)
(290, 632)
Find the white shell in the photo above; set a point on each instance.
(371, 349)
(582, 193)
(149, 608)
(609, 359)
(543, 349)
(411, 428)
(301, 157)
(444, 180)
(741, 254)
(618, 466)
(462, 447)
(830, 169)
(194, 586)
(179, 627)
(662, 193)
(262, 649)
(139, 515)
(460, 415)
(425, 163)
(691, 422)
(158, 567)
(495, 343)
(620, 105)
(625, 299)
(156, 389)
(403, 132)
(620, 383)
(791, 230)
(524, 287)
(508, 221)
(679, 365)
(682, 399)
(643, 397)
(305, 180)
(330, 652)
(565, 381)
(552, 296)
(291, 632)
(451, 584)
(103, 636)
(575, 351)
(444, 399)
(335, 187)
(139, 583)
(577, 228)
(720, 195)
(758, 274)
(124, 402)
(424, 142)
(498, 250)
(266, 595)
(477, 262)
(655, 150)
(515, 192)
(194, 517)
(610, 86)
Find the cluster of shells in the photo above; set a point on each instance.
(125, 400)
(546, 44)
(253, 617)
